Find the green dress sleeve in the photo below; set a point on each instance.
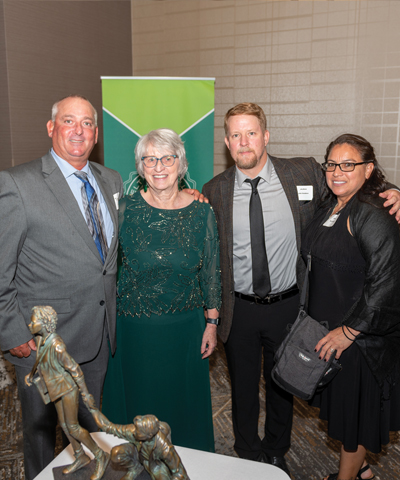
(210, 273)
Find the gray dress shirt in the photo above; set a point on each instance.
(280, 237)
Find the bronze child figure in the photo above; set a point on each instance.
(149, 445)
(59, 380)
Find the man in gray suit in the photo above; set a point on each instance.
(49, 256)
(252, 324)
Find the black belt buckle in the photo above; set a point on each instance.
(271, 298)
(266, 300)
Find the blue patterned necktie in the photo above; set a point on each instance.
(93, 215)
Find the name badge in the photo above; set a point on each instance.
(305, 192)
(116, 200)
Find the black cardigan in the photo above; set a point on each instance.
(377, 313)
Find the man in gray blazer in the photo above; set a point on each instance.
(290, 190)
(48, 256)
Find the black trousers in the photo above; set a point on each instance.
(39, 420)
(258, 330)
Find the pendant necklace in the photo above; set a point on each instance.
(334, 216)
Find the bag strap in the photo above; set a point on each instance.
(305, 284)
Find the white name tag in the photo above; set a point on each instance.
(116, 200)
(331, 220)
(305, 192)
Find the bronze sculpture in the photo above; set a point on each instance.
(59, 379)
(149, 442)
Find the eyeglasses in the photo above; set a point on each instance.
(166, 160)
(344, 167)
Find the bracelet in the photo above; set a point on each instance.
(344, 333)
(351, 333)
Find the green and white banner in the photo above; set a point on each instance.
(132, 106)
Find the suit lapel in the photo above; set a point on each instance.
(226, 192)
(56, 182)
(289, 186)
(107, 193)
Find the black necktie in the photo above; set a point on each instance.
(261, 280)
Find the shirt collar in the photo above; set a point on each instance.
(265, 173)
(66, 168)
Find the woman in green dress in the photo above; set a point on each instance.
(169, 282)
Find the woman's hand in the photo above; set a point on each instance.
(209, 340)
(335, 340)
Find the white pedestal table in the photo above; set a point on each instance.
(199, 465)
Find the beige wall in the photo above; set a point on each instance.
(318, 68)
(5, 131)
(49, 49)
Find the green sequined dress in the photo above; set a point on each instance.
(170, 270)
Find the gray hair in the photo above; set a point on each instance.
(54, 109)
(164, 140)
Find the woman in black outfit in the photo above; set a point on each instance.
(355, 285)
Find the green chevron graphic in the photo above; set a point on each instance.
(134, 106)
(145, 105)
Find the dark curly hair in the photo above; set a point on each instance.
(376, 183)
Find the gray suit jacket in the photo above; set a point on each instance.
(291, 172)
(48, 257)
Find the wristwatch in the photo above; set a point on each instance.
(214, 321)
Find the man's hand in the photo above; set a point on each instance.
(24, 350)
(197, 195)
(392, 198)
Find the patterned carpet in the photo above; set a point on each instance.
(311, 456)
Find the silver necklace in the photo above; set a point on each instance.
(340, 209)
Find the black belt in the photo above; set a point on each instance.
(272, 298)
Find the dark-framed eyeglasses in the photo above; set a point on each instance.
(344, 167)
(166, 160)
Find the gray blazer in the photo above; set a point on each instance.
(291, 172)
(48, 257)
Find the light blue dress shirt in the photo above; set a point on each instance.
(76, 185)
